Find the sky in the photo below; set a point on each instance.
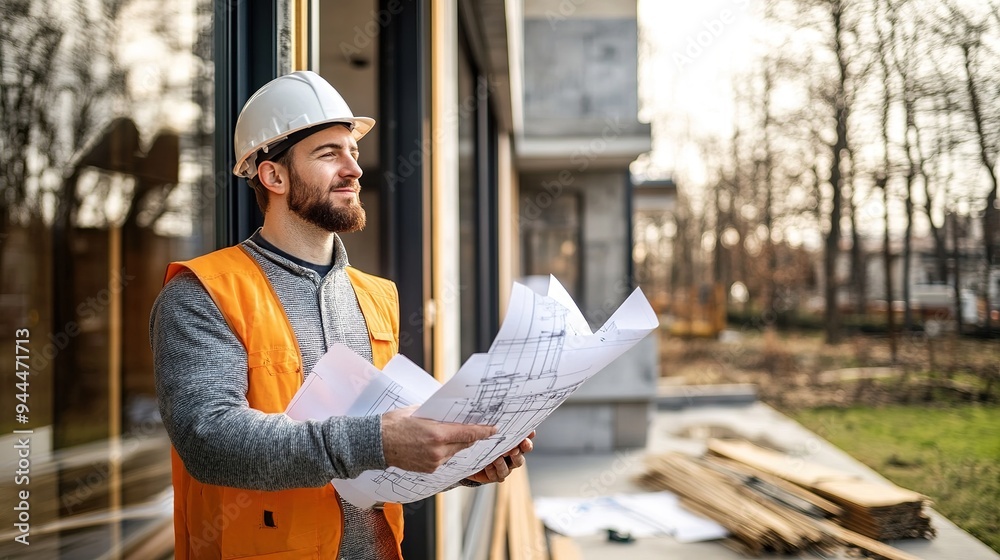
(689, 54)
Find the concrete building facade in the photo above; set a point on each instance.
(580, 133)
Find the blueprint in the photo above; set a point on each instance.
(543, 352)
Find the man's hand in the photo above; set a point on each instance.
(421, 445)
(500, 469)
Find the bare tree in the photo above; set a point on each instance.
(876, 120)
(935, 188)
(956, 256)
(27, 46)
(969, 33)
(987, 145)
(841, 111)
(833, 96)
(882, 180)
(859, 280)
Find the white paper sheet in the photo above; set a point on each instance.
(641, 515)
(334, 385)
(574, 319)
(579, 517)
(664, 510)
(544, 351)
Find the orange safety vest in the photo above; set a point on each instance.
(218, 522)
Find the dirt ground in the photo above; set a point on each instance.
(798, 370)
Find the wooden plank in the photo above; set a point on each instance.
(527, 537)
(517, 531)
(869, 494)
(498, 539)
(476, 541)
(789, 468)
(540, 550)
(871, 545)
(563, 548)
(822, 503)
(756, 522)
(876, 510)
(115, 346)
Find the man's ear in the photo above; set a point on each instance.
(273, 176)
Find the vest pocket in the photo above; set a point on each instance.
(383, 343)
(276, 361)
(274, 525)
(273, 377)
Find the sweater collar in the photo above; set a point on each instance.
(295, 264)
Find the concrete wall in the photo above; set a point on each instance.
(578, 73)
(606, 254)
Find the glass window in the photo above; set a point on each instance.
(550, 227)
(468, 205)
(106, 154)
(477, 199)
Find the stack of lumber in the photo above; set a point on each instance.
(765, 511)
(756, 523)
(880, 511)
(517, 533)
(776, 489)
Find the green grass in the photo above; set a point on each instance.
(950, 454)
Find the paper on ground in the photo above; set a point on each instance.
(543, 352)
(666, 510)
(576, 517)
(641, 515)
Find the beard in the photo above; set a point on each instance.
(313, 205)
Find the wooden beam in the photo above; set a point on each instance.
(563, 548)
(864, 543)
(115, 386)
(498, 544)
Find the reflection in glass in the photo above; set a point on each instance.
(468, 204)
(105, 176)
(551, 233)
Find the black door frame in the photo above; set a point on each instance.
(246, 57)
(404, 117)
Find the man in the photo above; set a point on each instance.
(235, 332)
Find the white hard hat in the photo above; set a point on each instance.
(286, 105)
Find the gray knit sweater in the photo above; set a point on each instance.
(201, 385)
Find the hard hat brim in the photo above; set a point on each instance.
(360, 127)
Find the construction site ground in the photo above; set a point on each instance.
(737, 385)
(800, 370)
(686, 427)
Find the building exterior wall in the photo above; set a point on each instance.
(581, 131)
(579, 76)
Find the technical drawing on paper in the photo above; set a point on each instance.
(531, 368)
(378, 399)
(543, 352)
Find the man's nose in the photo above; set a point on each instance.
(351, 170)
